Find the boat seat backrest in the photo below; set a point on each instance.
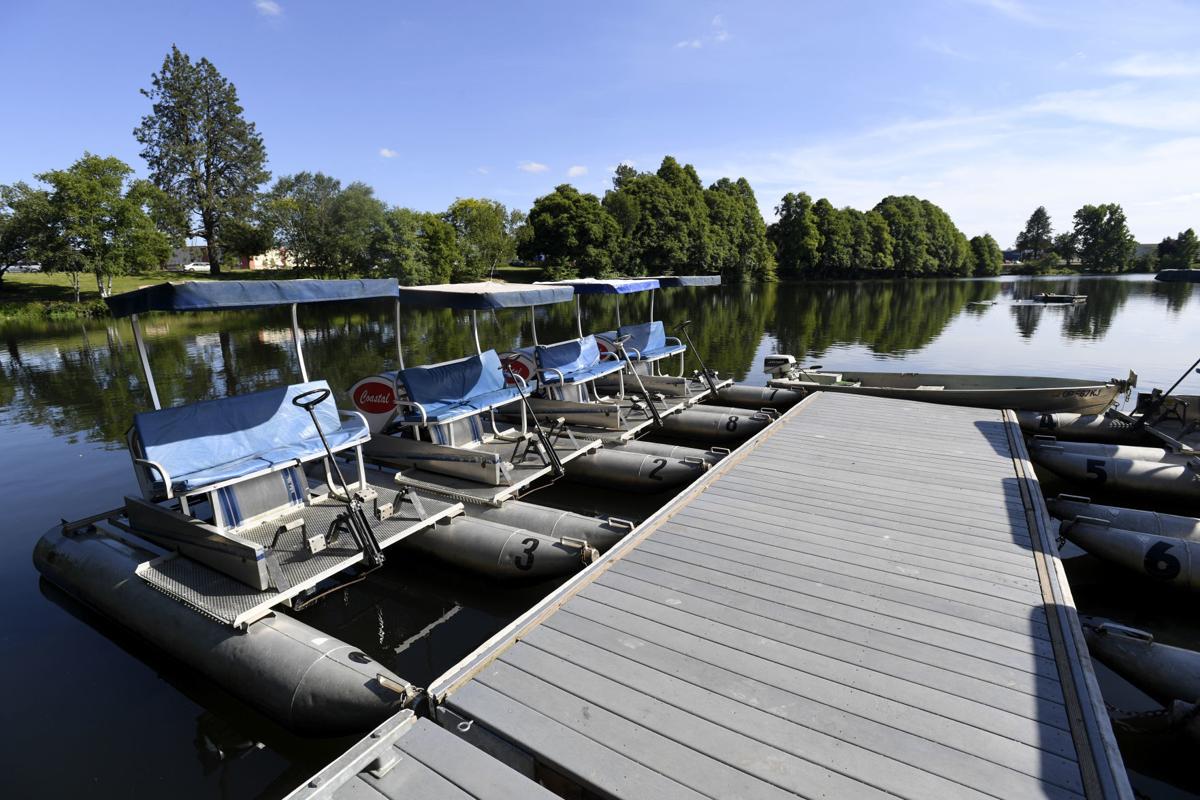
(569, 357)
(644, 337)
(215, 441)
(453, 382)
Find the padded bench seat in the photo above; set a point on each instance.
(456, 389)
(648, 341)
(203, 444)
(574, 361)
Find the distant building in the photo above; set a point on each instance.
(277, 258)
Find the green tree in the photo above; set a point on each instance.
(1064, 246)
(485, 240)
(987, 257)
(94, 220)
(878, 242)
(242, 238)
(736, 242)
(836, 254)
(663, 219)
(200, 150)
(24, 214)
(439, 248)
(572, 233)
(905, 217)
(795, 235)
(325, 227)
(1038, 236)
(948, 247)
(1178, 252)
(1102, 238)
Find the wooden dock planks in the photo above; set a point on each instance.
(855, 605)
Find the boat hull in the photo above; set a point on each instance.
(1163, 558)
(1014, 392)
(759, 397)
(1108, 428)
(1178, 276)
(1164, 672)
(304, 679)
(1109, 468)
(501, 551)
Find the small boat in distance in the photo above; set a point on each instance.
(1059, 299)
(1178, 276)
(1018, 392)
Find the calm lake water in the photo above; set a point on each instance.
(94, 712)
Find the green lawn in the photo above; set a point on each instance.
(23, 287)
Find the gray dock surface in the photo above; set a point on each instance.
(414, 759)
(863, 601)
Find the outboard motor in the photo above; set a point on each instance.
(778, 365)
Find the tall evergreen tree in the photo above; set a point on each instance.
(1038, 236)
(836, 253)
(200, 149)
(795, 235)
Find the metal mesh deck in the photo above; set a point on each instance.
(234, 603)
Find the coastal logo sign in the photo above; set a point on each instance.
(374, 397)
(520, 364)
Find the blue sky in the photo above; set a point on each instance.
(987, 107)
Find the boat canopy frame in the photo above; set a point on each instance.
(476, 297)
(233, 295)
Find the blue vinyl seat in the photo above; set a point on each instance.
(574, 361)
(648, 341)
(441, 393)
(193, 447)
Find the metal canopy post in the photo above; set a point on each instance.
(475, 331)
(652, 305)
(141, 348)
(618, 311)
(533, 322)
(578, 316)
(399, 346)
(298, 340)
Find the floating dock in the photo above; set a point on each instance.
(862, 601)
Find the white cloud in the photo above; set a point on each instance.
(387, 152)
(268, 8)
(1156, 65)
(1014, 10)
(577, 171)
(482, 170)
(718, 33)
(990, 168)
(532, 166)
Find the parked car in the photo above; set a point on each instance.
(194, 266)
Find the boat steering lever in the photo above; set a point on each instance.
(356, 520)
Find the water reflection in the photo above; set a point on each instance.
(83, 378)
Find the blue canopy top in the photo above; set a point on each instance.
(484, 296)
(606, 286)
(673, 281)
(217, 295)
